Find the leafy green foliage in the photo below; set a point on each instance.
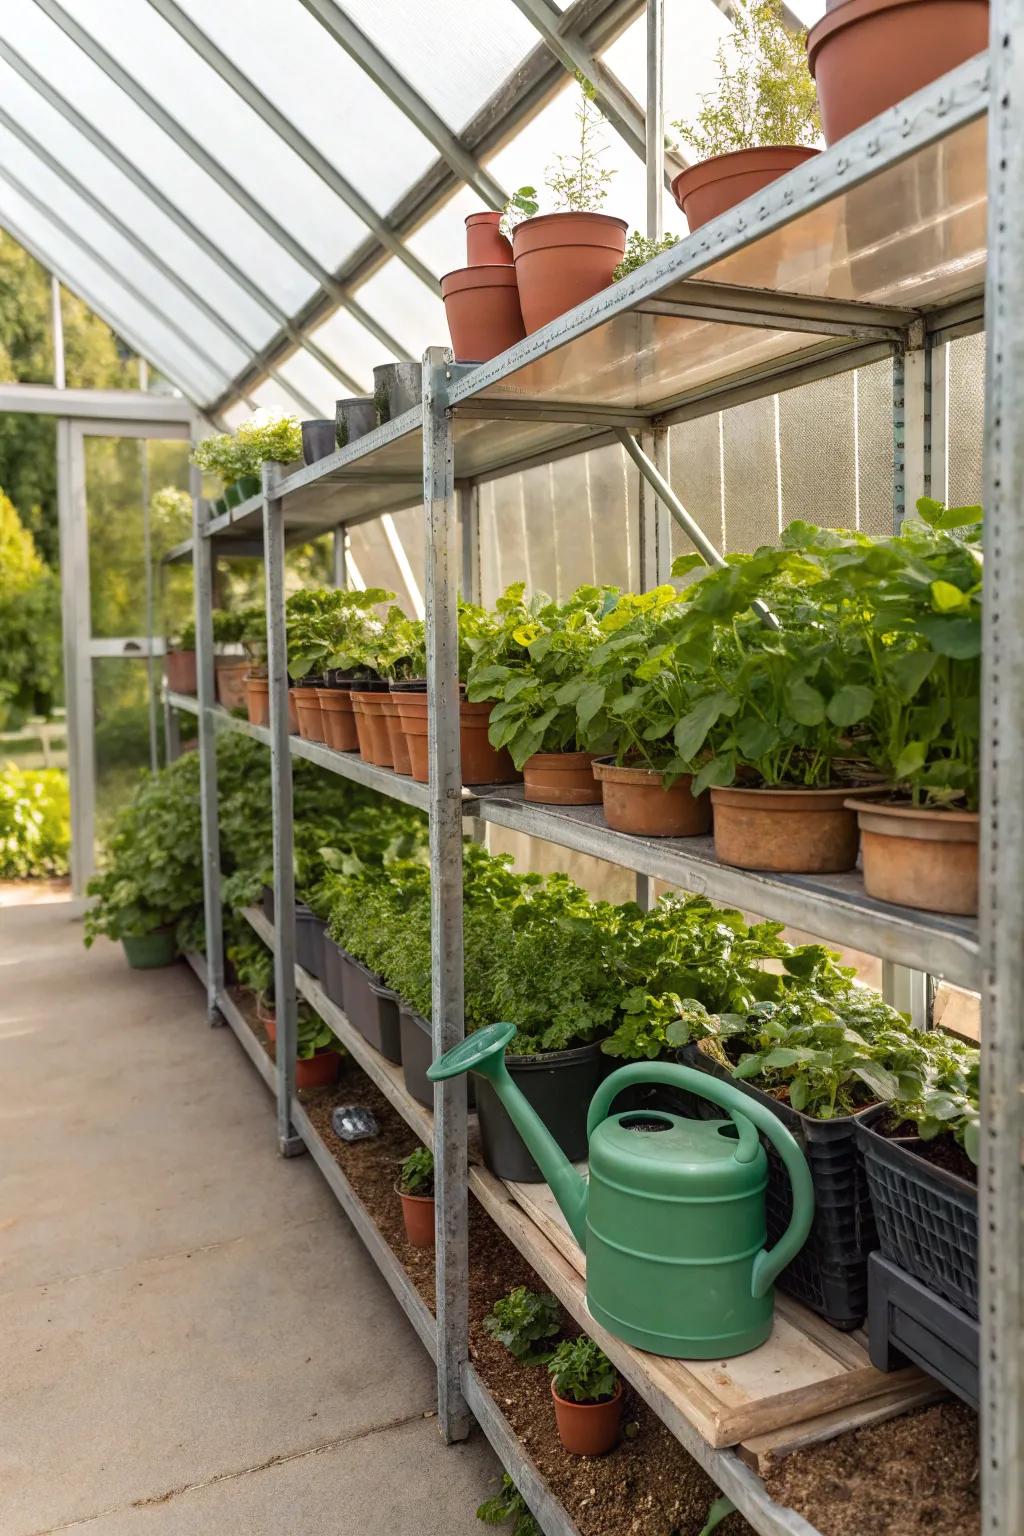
(581, 1371)
(521, 204)
(639, 251)
(578, 181)
(266, 437)
(416, 1176)
(330, 627)
(35, 822)
(765, 92)
(509, 1507)
(31, 676)
(312, 1034)
(525, 1321)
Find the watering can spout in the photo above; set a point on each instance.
(484, 1053)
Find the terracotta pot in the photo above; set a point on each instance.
(919, 858)
(293, 713)
(372, 729)
(229, 676)
(562, 778)
(388, 707)
(787, 831)
(867, 55)
(481, 763)
(486, 246)
(481, 305)
(418, 1215)
(257, 698)
(338, 719)
(588, 1429)
(714, 186)
(268, 1018)
(562, 259)
(180, 670)
(318, 1071)
(310, 715)
(636, 801)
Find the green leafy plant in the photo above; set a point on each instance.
(269, 437)
(185, 639)
(581, 1372)
(223, 455)
(524, 1321)
(331, 627)
(508, 1507)
(578, 181)
(312, 1034)
(639, 251)
(31, 667)
(35, 822)
(521, 204)
(416, 1176)
(765, 93)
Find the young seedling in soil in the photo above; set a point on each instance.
(522, 1321)
(507, 1506)
(417, 1175)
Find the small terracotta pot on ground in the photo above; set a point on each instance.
(786, 831)
(714, 186)
(418, 1215)
(372, 728)
(561, 778)
(388, 707)
(257, 698)
(180, 669)
(636, 801)
(481, 763)
(485, 244)
(308, 711)
(867, 55)
(481, 305)
(588, 1429)
(562, 259)
(919, 857)
(318, 1071)
(339, 721)
(229, 676)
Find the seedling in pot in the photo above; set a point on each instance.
(587, 1395)
(416, 1188)
(524, 1321)
(417, 1173)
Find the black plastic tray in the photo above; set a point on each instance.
(927, 1217)
(829, 1274)
(909, 1324)
(309, 940)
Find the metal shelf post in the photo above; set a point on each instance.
(203, 598)
(450, 1163)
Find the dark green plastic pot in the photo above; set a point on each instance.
(151, 950)
(233, 495)
(249, 485)
(559, 1087)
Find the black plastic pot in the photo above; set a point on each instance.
(353, 418)
(829, 1274)
(317, 439)
(372, 1008)
(332, 978)
(268, 903)
(309, 940)
(417, 1054)
(909, 1325)
(559, 1086)
(927, 1217)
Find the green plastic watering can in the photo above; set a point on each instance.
(672, 1220)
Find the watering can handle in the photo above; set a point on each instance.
(749, 1117)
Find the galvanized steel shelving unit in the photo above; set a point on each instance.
(760, 301)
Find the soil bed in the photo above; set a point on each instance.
(942, 1152)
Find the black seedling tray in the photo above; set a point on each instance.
(909, 1324)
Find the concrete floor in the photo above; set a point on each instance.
(194, 1341)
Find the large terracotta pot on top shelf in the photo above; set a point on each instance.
(636, 801)
(308, 712)
(561, 778)
(180, 670)
(918, 857)
(485, 243)
(785, 831)
(372, 727)
(561, 259)
(338, 718)
(868, 55)
(714, 186)
(481, 305)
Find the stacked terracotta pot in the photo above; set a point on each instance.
(481, 300)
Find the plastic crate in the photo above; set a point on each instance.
(927, 1218)
(829, 1274)
(909, 1324)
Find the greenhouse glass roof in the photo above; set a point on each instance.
(260, 195)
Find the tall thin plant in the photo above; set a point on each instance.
(578, 180)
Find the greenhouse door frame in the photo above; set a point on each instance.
(80, 646)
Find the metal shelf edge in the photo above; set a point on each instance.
(248, 1041)
(549, 1512)
(186, 701)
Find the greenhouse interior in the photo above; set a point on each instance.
(494, 499)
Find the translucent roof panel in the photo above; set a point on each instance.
(402, 304)
(456, 53)
(342, 336)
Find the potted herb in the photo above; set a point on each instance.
(252, 623)
(318, 1051)
(639, 251)
(530, 666)
(630, 694)
(180, 660)
(230, 663)
(222, 455)
(416, 1191)
(761, 122)
(527, 1323)
(268, 437)
(868, 55)
(920, 844)
(587, 1395)
(565, 257)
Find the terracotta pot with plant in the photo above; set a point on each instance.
(587, 1395)
(180, 661)
(565, 257)
(318, 1051)
(761, 122)
(416, 1192)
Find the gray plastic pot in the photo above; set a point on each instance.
(353, 418)
(397, 388)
